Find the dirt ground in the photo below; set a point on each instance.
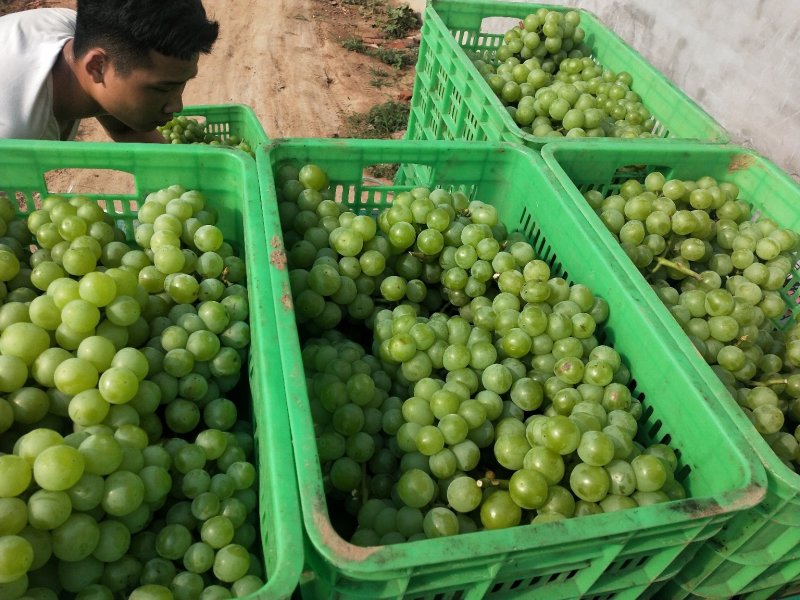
(284, 59)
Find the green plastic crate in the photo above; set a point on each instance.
(759, 544)
(226, 120)
(621, 554)
(451, 100)
(228, 178)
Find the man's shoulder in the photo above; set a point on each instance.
(31, 33)
(31, 42)
(60, 19)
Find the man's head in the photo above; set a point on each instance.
(137, 55)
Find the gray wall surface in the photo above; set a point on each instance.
(739, 60)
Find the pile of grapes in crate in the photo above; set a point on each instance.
(187, 130)
(720, 271)
(126, 469)
(454, 383)
(544, 74)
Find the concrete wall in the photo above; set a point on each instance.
(739, 60)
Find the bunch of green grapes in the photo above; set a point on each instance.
(479, 395)
(544, 75)
(349, 400)
(127, 472)
(720, 271)
(327, 284)
(341, 263)
(187, 130)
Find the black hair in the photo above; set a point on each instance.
(129, 29)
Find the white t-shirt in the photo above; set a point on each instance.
(30, 43)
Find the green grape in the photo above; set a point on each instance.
(217, 531)
(560, 435)
(439, 522)
(102, 453)
(173, 541)
(157, 483)
(118, 385)
(24, 340)
(58, 467)
(29, 405)
(650, 473)
(13, 516)
(123, 493)
(151, 591)
(546, 462)
(231, 563)
(114, 542)
(416, 488)
(499, 511)
(596, 448)
(131, 359)
(429, 440)
(589, 483)
(76, 538)
(198, 558)
(17, 475)
(464, 494)
(16, 557)
(528, 489)
(125, 310)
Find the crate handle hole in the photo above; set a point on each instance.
(109, 182)
(380, 174)
(498, 25)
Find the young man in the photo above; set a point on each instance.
(125, 62)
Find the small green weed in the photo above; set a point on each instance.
(379, 78)
(354, 44)
(392, 57)
(380, 122)
(383, 170)
(399, 21)
(388, 56)
(369, 8)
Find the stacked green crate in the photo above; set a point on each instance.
(228, 179)
(757, 551)
(626, 554)
(452, 100)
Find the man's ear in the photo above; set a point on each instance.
(95, 63)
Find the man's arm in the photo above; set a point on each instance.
(120, 132)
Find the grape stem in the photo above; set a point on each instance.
(491, 481)
(676, 266)
(770, 382)
(446, 306)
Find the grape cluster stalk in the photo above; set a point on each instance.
(719, 269)
(454, 382)
(544, 74)
(128, 471)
